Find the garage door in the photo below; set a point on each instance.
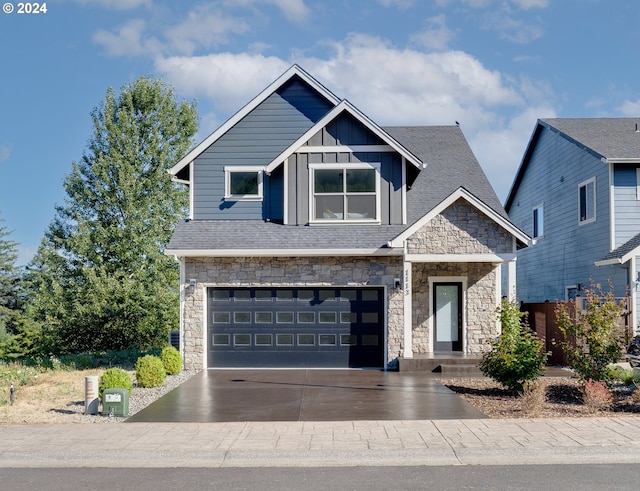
(296, 327)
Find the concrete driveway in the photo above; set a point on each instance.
(307, 395)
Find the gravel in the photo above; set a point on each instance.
(138, 399)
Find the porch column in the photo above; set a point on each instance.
(511, 280)
(407, 351)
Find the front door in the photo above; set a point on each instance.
(447, 313)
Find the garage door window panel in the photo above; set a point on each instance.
(284, 339)
(263, 340)
(306, 340)
(327, 340)
(242, 339)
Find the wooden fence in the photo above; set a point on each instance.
(542, 319)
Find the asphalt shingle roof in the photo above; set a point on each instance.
(614, 138)
(624, 249)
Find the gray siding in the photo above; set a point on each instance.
(256, 140)
(627, 205)
(567, 252)
(345, 130)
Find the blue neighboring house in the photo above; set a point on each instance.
(577, 194)
(317, 238)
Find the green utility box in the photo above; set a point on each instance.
(115, 402)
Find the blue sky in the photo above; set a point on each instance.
(496, 66)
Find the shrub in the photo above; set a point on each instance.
(150, 371)
(596, 395)
(591, 342)
(172, 360)
(113, 378)
(516, 356)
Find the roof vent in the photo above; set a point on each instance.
(637, 130)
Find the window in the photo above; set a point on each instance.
(342, 192)
(587, 201)
(538, 221)
(243, 183)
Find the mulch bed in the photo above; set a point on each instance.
(563, 397)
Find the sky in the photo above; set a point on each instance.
(495, 66)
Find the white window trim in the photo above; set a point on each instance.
(540, 222)
(638, 183)
(229, 169)
(346, 166)
(586, 183)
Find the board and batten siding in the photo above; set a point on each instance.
(254, 141)
(565, 255)
(627, 204)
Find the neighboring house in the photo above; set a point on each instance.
(316, 238)
(577, 194)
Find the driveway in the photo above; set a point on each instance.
(307, 395)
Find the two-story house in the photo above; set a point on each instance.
(577, 194)
(316, 238)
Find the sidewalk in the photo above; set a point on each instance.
(330, 443)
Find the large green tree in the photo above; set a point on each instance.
(100, 279)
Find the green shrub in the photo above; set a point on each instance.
(516, 356)
(172, 360)
(150, 371)
(591, 341)
(113, 378)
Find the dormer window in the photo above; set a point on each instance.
(345, 192)
(243, 183)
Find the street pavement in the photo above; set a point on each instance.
(325, 443)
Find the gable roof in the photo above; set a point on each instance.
(346, 106)
(294, 71)
(461, 193)
(610, 139)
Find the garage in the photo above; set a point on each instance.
(295, 327)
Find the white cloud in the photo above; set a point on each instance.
(203, 27)
(499, 147)
(228, 80)
(5, 152)
(531, 4)
(128, 40)
(629, 109)
(437, 35)
(117, 4)
(401, 4)
(294, 10)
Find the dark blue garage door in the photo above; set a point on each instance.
(296, 327)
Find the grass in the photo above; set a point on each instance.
(36, 371)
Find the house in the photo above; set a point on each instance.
(317, 238)
(577, 194)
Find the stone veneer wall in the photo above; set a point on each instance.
(295, 271)
(480, 303)
(460, 229)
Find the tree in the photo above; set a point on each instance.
(592, 341)
(100, 279)
(516, 356)
(17, 335)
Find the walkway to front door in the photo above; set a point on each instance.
(307, 395)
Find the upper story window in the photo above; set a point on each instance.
(538, 221)
(243, 183)
(587, 201)
(345, 192)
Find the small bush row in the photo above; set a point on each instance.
(151, 371)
